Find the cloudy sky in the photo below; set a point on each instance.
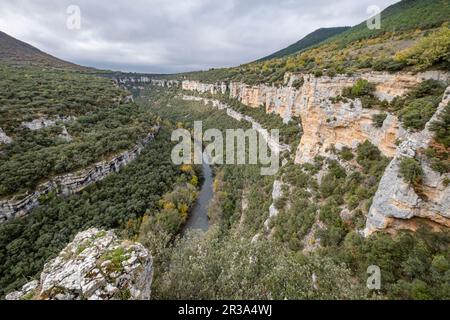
(173, 35)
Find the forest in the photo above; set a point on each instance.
(100, 126)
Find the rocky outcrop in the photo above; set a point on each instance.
(277, 194)
(41, 123)
(330, 123)
(274, 145)
(397, 199)
(4, 139)
(95, 266)
(72, 182)
(289, 101)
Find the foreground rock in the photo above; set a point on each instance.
(4, 139)
(95, 266)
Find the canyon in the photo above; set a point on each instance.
(96, 265)
(329, 123)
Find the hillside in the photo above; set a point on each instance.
(310, 40)
(16, 52)
(415, 36)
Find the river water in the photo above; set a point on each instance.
(198, 219)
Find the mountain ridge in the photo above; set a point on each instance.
(17, 52)
(306, 42)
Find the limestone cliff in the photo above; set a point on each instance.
(72, 182)
(95, 266)
(330, 123)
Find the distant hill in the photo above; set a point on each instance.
(311, 39)
(16, 52)
(401, 16)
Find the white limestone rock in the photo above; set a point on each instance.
(95, 266)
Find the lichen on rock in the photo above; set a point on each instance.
(95, 266)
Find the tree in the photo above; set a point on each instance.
(411, 170)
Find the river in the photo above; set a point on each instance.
(198, 219)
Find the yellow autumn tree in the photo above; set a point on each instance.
(433, 49)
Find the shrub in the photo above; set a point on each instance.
(318, 73)
(411, 170)
(431, 50)
(417, 113)
(297, 84)
(441, 127)
(346, 154)
(378, 119)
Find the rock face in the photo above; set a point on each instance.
(95, 266)
(141, 80)
(325, 122)
(397, 199)
(41, 123)
(4, 139)
(328, 122)
(72, 182)
(274, 145)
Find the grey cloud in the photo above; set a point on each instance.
(176, 35)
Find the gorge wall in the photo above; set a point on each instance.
(397, 199)
(4, 139)
(329, 123)
(72, 182)
(96, 265)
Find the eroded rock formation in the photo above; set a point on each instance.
(397, 199)
(329, 123)
(95, 266)
(72, 182)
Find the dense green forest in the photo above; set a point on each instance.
(101, 127)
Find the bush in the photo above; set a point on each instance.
(346, 154)
(441, 127)
(417, 113)
(297, 84)
(378, 119)
(411, 170)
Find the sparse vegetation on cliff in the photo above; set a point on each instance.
(419, 105)
(120, 201)
(411, 170)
